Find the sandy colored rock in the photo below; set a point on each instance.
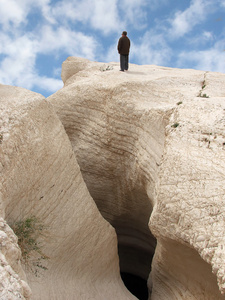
(12, 276)
(146, 148)
(150, 143)
(40, 177)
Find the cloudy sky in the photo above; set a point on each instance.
(37, 36)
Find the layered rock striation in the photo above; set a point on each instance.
(125, 170)
(150, 145)
(40, 177)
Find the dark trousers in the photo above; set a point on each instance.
(124, 59)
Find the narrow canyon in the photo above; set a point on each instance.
(125, 171)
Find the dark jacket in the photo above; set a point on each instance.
(124, 45)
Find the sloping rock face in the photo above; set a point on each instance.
(150, 144)
(40, 177)
(12, 277)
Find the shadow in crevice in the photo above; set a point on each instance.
(136, 285)
(136, 243)
(135, 259)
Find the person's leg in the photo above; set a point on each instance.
(122, 62)
(126, 62)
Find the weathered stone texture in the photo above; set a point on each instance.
(150, 139)
(40, 177)
(146, 148)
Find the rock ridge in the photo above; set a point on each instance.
(126, 171)
(154, 138)
(40, 177)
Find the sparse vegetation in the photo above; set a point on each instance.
(175, 125)
(28, 231)
(1, 138)
(179, 103)
(201, 91)
(106, 68)
(203, 84)
(204, 96)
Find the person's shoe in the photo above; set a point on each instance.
(122, 70)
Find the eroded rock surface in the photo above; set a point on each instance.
(40, 177)
(12, 277)
(150, 143)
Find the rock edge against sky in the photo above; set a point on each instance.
(147, 149)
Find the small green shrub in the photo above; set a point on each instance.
(180, 102)
(203, 84)
(106, 68)
(200, 92)
(28, 231)
(204, 96)
(175, 125)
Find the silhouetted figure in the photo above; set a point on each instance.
(124, 49)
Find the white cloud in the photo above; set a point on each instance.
(63, 40)
(105, 16)
(46, 83)
(201, 39)
(212, 59)
(12, 12)
(134, 12)
(19, 58)
(99, 14)
(19, 70)
(207, 36)
(91, 28)
(45, 9)
(152, 49)
(112, 54)
(74, 11)
(183, 22)
(19, 55)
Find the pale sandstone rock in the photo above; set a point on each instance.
(192, 173)
(137, 166)
(11, 272)
(40, 177)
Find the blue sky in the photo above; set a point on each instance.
(37, 36)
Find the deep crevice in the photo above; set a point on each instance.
(136, 285)
(135, 263)
(136, 244)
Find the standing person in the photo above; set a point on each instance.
(124, 49)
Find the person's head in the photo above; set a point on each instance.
(124, 33)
